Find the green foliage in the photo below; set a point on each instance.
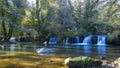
(71, 32)
(54, 18)
(114, 38)
(11, 14)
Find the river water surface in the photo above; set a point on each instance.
(25, 56)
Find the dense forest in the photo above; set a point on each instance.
(41, 19)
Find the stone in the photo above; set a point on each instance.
(81, 62)
(116, 63)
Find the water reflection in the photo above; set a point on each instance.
(87, 50)
(2, 48)
(67, 49)
(77, 50)
(12, 48)
(101, 51)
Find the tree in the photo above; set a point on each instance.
(96, 14)
(11, 14)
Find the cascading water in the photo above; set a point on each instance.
(101, 40)
(12, 40)
(53, 41)
(72, 40)
(77, 39)
(67, 40)
(87, 40)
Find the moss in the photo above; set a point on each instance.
(81, 62)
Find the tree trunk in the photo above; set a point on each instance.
(3, 26)
(7, 35)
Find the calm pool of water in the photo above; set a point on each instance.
(63, 51)
(67, 50)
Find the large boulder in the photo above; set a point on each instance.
(81, 62)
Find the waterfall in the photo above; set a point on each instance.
(101, 39)
(67, 40)
(13, 40)
(53, 41)
(77, 39)
(72, 40)
(87, 40)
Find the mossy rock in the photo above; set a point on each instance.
(81, 62)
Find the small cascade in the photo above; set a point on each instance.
(67, 40)
(13, 40)
(77, 39)
(80, 40)
(53, 41)
(72, 40)
(87, 40)
(101, 40)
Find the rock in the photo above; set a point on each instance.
(67, 61)
(116, 63)
(45, 51)
(102, 57)
(81, 62)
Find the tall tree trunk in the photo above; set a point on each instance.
(3, 26)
